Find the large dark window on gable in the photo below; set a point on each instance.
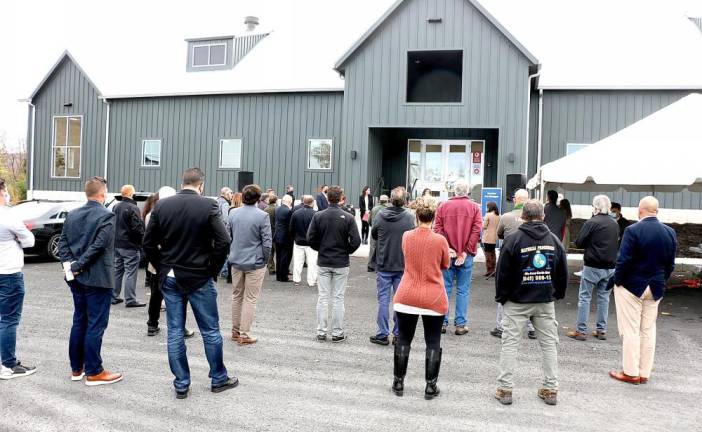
(434, 76)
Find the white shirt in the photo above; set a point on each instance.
(14, 236)
(413, 310)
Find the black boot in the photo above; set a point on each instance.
(432, 365)
(400, 368)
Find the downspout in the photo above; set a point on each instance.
(539, 140)
(30, 193)
(107, 135)
(526, 153)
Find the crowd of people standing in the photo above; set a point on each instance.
(421, 251)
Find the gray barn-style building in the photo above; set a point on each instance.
(434, 91)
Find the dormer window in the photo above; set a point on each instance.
(209, 54)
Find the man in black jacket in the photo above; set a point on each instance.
(129, 233)
(598, 237)
(299, 224)
(532, 272)
(333, 233)
(389, 226)
(283, 240)
(187, 244)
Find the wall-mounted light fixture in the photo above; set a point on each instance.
(68, 104)
(434, 20)
(354, 154)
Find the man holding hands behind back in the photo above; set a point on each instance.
(87, 252)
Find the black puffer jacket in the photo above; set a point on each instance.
(533, 266)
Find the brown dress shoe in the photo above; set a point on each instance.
(102, 378)
(574, 334)
(461, 330)
(600, 335)
(550, 397)
(77, 376)
(247, 340)
(235, 336)
(504, 396)
(621, 376)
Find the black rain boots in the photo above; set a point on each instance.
(400, 368)
(433, 363)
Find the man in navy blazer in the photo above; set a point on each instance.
(86, 249)
(322, 200)
(646, 261)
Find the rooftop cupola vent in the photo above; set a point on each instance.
(251, 22)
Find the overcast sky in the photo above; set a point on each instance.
(34, 33)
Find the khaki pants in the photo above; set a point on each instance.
(516, 316)
(247, 288)
(300, 255)
(636, 319)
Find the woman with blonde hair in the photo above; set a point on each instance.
(421, 293)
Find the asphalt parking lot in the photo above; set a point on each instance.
(289, 381)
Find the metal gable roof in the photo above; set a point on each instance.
(65, 55)
(398, 3)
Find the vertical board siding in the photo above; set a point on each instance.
(244, 44)
(274, 130)
(589, 116)
(494, 85)
(68, 85)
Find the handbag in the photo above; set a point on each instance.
(365, 217)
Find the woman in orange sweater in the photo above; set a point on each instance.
(421, 292)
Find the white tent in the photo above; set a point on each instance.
(659, 153)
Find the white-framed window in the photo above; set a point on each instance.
(319, 153)
(65, 146)
(230, 153)
(573, 147)
(151, 153)
(209, 54)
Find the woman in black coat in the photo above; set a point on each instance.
(365, 204)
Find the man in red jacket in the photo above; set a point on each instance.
(460, 221)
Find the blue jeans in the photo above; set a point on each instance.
(11, 299)
(590, 279)
(387, 283)
(461, 274)
(90, 317)
(204, 304)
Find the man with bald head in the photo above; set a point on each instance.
(129, 234)
(646, 261)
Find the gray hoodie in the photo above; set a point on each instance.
(388, 227)
(250, 229)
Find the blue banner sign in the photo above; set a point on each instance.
(491, 194)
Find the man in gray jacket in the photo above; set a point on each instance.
(250, 229)
(389, 225)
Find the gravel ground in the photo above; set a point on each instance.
(289, 381)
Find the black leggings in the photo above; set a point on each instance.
(364, 229)
(407, 324)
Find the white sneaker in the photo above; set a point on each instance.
(16, 372)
